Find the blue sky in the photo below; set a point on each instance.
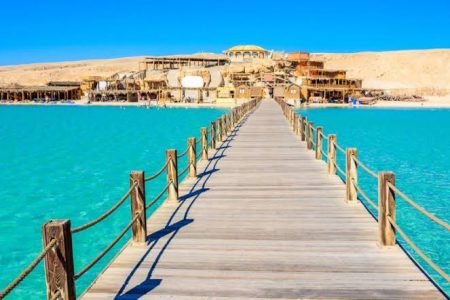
(55, 30)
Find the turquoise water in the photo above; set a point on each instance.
(413, 143)
(61, 162)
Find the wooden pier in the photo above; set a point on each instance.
(263, 219)
(259, 213)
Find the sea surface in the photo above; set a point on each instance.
(415, 145)
(72, 162)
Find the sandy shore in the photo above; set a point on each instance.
(121, 104)
(430, 102)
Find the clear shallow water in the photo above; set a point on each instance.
(61, 162)
(413, 143)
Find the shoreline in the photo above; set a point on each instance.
(390, 104)
(430, 102)
(122, 104)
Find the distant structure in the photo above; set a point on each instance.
(246, 53)
(243, 72)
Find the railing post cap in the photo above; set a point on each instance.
(57, 221)
(386, 173)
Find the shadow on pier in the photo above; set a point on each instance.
(159, 241)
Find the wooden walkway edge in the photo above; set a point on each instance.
(262, 220)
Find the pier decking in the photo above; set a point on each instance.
(262, 220)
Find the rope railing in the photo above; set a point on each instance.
(185, 152)
(106, 249)
(386, 183)
(339, 148)
(57, 295)
(417, 250)
(323, 153)
(28, 269)
(107, 213)
(157, 197)
(340, 170)
(419, 208)
(365, 168)
(364, 195)
(184, 171)
(160, 171)
(62, 283)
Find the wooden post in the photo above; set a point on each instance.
(59, 269)
(386, 208)
(351, 174)
(310, 135)
(319, 138)
(299, 124)
(192, 157)
(213, 135)
(204, 142)
(224, 128)
(302, 128)
(332, 154)
(139, 227)
(219, 130)
(292, 112)
(294, 125)
(172, 174)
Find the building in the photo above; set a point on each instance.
(292, 92)
(54, 91)
(297, 56)
(246, 53)
(244, 72)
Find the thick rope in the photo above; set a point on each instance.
(323, 153)
(107, 213)
(417, 250)
(418, 207)
(365, 168)
(339, 148)
(340, 170)
(28, 269)
(109, 247)
(157, 173)
(57, 295)
(364, 195)
(157, 197)
(185, 152)
(184, 171)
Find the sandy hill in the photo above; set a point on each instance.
(35, 74)
(427, 70)
(420, 69)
